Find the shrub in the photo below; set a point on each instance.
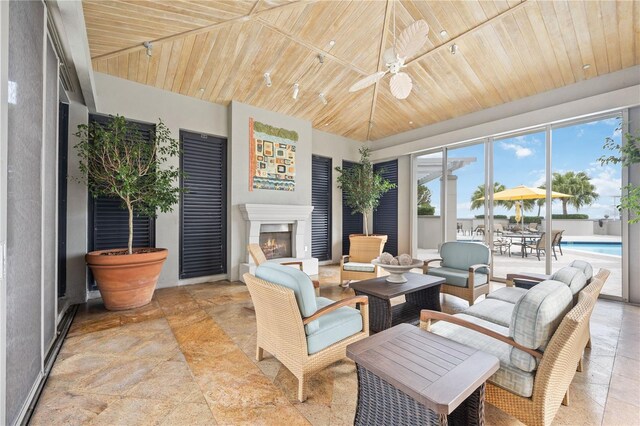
(426, 210)
(570, 216)
(527, 219)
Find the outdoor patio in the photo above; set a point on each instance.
(188, 358)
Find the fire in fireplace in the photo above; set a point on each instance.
(275, 241)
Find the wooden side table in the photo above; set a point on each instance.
(420, 291)
(408, 376)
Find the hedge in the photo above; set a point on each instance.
(527, 219)
(426, 210)
(570, 216)
(495, 216)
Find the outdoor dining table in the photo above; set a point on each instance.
(525, 238)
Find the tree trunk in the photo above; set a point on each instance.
(130, 208)
(564, 206)
(366, 228)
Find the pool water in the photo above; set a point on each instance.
(603, 248)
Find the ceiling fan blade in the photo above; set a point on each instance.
(401, 85)
(367, 81)
(412, 39)
(389, 56)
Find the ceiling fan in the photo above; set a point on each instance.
(408, 44)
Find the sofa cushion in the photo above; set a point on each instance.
(508, 376)
(585, 267)
(507, 294)
(539, 312)
(457, 277)
(573, 277)
(334, 326)
(359, 267)
(297, 281)
(459, 255)
(492, 310)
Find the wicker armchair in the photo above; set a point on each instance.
(362, 250)
(556, 366)
(466, 268)
(282, 330)
(259, 258)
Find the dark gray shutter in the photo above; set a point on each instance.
(351, 223)
(385, 218)
(203, 208)
(109, 220)
(321, 200)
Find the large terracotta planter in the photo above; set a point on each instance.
(126, 281)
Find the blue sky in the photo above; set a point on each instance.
(521, 161)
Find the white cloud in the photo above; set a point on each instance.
(520, 151)
(607, 182)
(617, 132)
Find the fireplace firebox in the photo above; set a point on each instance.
(275, 240)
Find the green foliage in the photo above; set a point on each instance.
(495, 216)
(426, 210)
(526, 219)
(570, 216)
(116, 161)
(628, 154)
(424, 195)
(477, 203)
(275, 131)
(578, 185)
(362, 186)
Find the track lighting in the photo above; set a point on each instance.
(322, 98)
(296, 89)
(320, 58)
(453, 49)
(148, 45)
(267, 79)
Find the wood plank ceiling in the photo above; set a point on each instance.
(219, 50)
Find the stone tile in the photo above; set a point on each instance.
(629, 348)
(135, 411)
(69, 408)
(628, 367)
(272, 414)
(119, 377)
(620, 413)
(496, 417)
(626, 390)
(190, 414)
(597, 369)
(145, 313)
(168, 381)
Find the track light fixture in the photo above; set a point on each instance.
(148, 45)
(296, 89)
(322, 98)
(453, 49)
(267, 79)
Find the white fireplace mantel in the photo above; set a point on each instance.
(299, 217)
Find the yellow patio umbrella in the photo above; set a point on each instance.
(521, 193)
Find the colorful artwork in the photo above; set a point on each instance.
(272, 162)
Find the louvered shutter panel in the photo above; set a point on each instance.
(109, 220)
(385, 218)
(203, 206)
(321, 215)
(351, 223)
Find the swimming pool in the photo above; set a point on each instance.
(591, 247)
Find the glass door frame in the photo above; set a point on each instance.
(488, 181)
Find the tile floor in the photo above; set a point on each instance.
(188, 358)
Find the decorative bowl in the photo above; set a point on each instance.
(397, 271)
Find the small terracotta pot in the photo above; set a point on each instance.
(126, 281)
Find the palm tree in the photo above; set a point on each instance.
(476, 203)
(578, 185)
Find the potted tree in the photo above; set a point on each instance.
(363, 187)
(116, 161)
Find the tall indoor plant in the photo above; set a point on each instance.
(117, 161)
(363, 187)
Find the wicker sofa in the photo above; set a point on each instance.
(539, 340)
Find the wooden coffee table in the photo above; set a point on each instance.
(408, 376)
(420, 291)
